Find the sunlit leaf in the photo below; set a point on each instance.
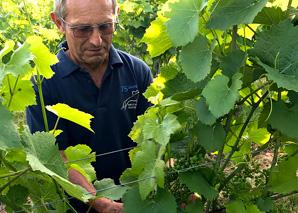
(74, 115)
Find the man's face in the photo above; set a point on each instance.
(91, 51)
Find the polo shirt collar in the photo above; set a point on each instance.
(68, 66)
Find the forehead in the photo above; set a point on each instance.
(89, 11)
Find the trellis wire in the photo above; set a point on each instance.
(136, 181)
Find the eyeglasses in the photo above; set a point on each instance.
(83, 31)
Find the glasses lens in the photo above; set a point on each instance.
(107, 28)
(82, 32)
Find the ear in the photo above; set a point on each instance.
(58, 23)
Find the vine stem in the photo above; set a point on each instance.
(28, 17)
(275, 157)
(290, 3)
(234, 38)
(12, 91)
(234, 148)
(61, 196)
(38, 83)
(240, 167)
(16, 177)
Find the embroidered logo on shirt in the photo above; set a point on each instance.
(132, 101)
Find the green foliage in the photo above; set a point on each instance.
(224, 85)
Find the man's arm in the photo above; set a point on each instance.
(102, 205)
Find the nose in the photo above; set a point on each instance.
(95, 37)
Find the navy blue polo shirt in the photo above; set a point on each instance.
(115, 107)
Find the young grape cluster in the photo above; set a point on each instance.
(188, 162)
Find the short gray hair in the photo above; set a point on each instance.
(60, 9)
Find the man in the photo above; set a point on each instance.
(95, 78)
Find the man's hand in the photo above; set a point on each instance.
(104, 205)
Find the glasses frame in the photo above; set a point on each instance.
(86, 25)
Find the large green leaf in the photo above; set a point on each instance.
(196, 59)
(180, 86)
(156, 37)
(203, 113)
(212, 138)
(191, 179)
(183, 25)
(161, 132)
(115, 193)
(270, 15)
(23, 95)
(219, 96)
(284, 81)
(149, 164)
(277, 50)
(231, 64)
(18, 194)
(44, 193)
(74, 115)
(285, 119)
(164, 202)
(9, 136)
(43, 57)
(77, 153)
(43, 155)
(284, 177)
(226, 13)
(19, 62)
(235, 207)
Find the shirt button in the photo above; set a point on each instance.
(89, 82)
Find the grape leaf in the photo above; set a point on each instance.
(191, 179)
(284, 176)
(44, 193)
(180, 85)
(235, 207)
(23, 96)
(226, 13)
(161, 132)
(197, 207)
(265, 205)
(196, 58)
(79, 152)
(19, 62)
(148, 164)
(113, 193)
(277, 48)
(157, 38)
(9, 136)
(219, 96)
(18, 194)
(15, 155)
(231, 64)
(285, 81)
(74, 115)
(43, 155)
(212, 138)
(164, 202)
(136, 133)
(203, 113)
(183, 25)
(44, 59)
(251, 208)
(285, 119)
(270, 15)
(8, 46)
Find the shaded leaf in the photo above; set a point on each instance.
(212, 138)
(226, 13)
(113, 193)
(18, 194)
(196, 59)
(285, 119)
(231, 64)
(203, 113)
(235, 207)
(191, 179)
(8, 46)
